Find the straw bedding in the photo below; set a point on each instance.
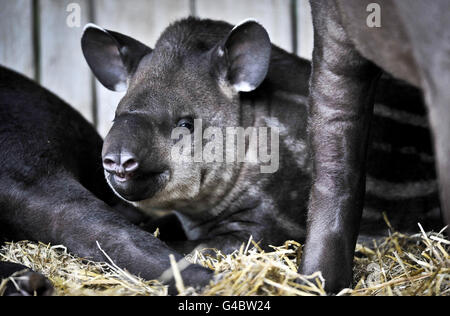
(397, 265)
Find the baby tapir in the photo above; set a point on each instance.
(52, 188)
(411, 41)
(204, 75)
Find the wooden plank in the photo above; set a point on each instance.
(305, 29)
(63, 68)
(16, 36)
(274, 15)
(140, 19)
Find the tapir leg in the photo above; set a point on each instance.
(440, 122)
(340, 112)
(172, 232)
(61, 211)
(27, 283)
(131, 213)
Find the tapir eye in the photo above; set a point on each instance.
(186, 123)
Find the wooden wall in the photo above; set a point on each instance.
(36, 40)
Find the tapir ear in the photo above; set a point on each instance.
(243, 57)
(113, 57)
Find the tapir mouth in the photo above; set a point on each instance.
(135, 188)
(123, 178)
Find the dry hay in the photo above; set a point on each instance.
(396, 265)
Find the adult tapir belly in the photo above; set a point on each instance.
(388, 45)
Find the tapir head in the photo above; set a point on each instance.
(196, 71)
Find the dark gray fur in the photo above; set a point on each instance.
(52, 187)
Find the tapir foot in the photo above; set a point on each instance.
(332, 257)
(28, 283)
(193, 276)
(335, 281)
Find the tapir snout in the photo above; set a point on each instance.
(134, 165)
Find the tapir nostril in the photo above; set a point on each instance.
(130, 165)
(121, 165)
(110, 164)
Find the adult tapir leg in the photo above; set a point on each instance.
(341, 107)
(59, 210)
(440, 120)
(438, 99)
